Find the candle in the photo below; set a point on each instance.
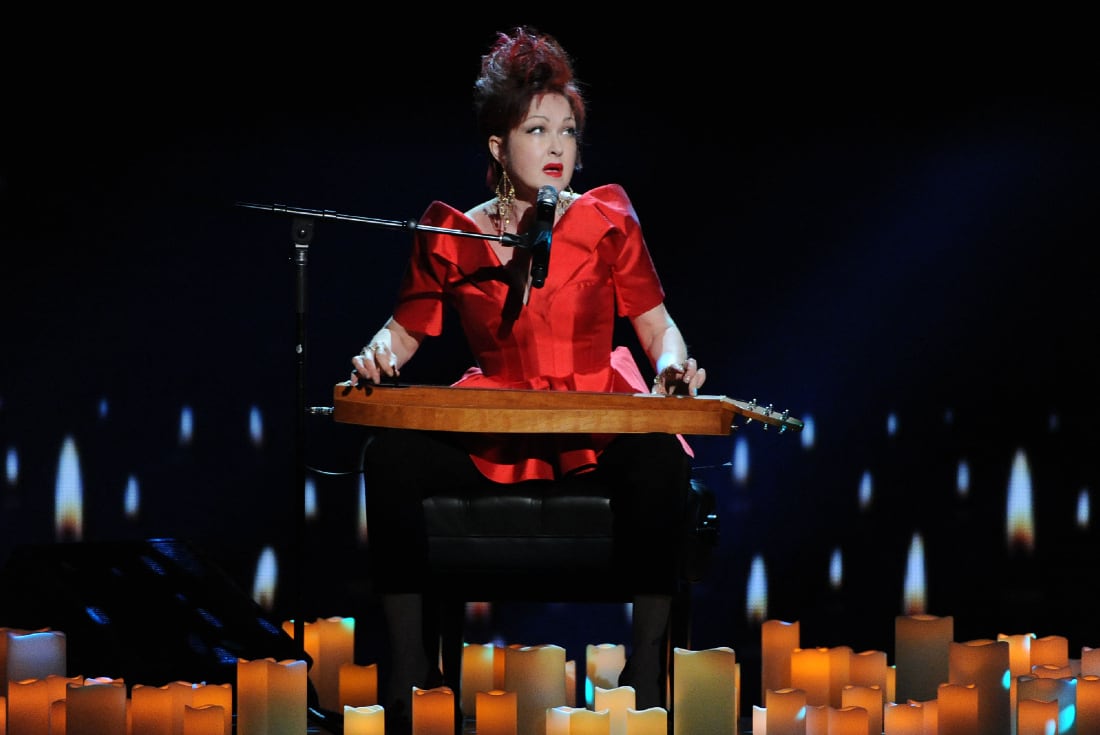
(810, 673)
(1050, 649)
(849, 721)
(358, 685)
(817, 719)
(537, 675)
(96, 707)
(603, 664)
(869, 668)
(271, 697)
(330, 642)
(903, 718)
(366, 720)
(1088, 704)
(759, 720)
(565, 720)
(840, 658)
(28, 707)
(217, 695)
(158, 710)
(921, 652)
(869, 699)
(785, 711)
(1061, 691)
(958, 710)
(984, 663)
(1037, 717)
(704, 691)
(30, 654)
(477, 673)
(433, 711)
(615, 701)
(206, 719)
(496, 713)
(1090, 661)
(778, 640)
(652, 721)
(571, 683)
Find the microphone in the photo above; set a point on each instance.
(539, 235)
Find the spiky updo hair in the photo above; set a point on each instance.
(521, 65)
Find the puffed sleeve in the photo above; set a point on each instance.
(637, 285)
(422, 296)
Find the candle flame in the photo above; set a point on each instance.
(1083, 509)
(756, 597)
(915, 602)
(256, 426)
(962, 479)
(311, 499)
(1020, 525)
(266, 580)
(187, 426)
(11, 466)
(131, 503)
(69, 495)
(836, 570)
(865, 490)
(807, 433)
(892, 424)
(740, 464)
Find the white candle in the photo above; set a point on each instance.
(565, 720)
(28, 707)
(759, 720)
(158, 710)
(704, 691)
(810, 673)
(817, 719)
(358, 685)
(778, 640)
(902, 718)
(921, 653)
(870, 669)
(602, 665)
(1037, 717)
(849, 721)
(984, 663)
(1090, 661)
(206, 719)
(616, 701)
(958, 709)
(96, 707)
(366, 720)
(840, 662)
(1088, 704)
(1050, 649)
(31, 654)
(496, 713)
(271, 697)
(217, 695)
(433, 711)
(1061, 691)
(477, 673)
(785, 711)
(868, 698)
(330, 642)
(537, 675)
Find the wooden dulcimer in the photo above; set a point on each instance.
(488, 410)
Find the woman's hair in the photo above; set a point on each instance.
(521, 65)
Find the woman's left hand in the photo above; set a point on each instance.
(684, 378)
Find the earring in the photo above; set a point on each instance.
(506, 194)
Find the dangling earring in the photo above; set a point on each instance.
(506, 194)
(566, 199)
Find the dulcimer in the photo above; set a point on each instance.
(492, 410)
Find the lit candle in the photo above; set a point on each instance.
(433, 711)
(496, 712)
(868, 698)
(271, 697)
(1037, 717)
(1050, 649)
(28, 707)
(958, 710)
(652, 721)
(603, 664)
(217, 695)
(95, 707)
(921, 652)
(1090, 661)
(1019, 661)
(30, 654)
(759, 720)
(330, 642)
(573, 721)
(870, 669)
(358, 685)
(817, 719)
(903, 718)
(158, 710)
(984, 663)
(849, 721)
(615, 701)
(570, 683)
(1088, 704)
(477, 673)
(704, 691)
(206, 719)
(785, 711)
(810, 673)
(537, 675)
(778, 640)
(366, 720)
(840, 663)
(1061, 691)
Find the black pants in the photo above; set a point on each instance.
(647, 477)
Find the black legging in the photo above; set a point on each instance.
(648, 476)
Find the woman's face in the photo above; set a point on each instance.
(542, 149)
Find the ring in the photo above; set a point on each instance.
(377, 348)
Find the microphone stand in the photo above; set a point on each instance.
(302, 228)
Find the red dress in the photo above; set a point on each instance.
(561, 339)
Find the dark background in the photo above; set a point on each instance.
(863, 223)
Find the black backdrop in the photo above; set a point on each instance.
(861, 224)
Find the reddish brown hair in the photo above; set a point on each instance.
(521, 65)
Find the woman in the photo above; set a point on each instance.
(554, 336)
